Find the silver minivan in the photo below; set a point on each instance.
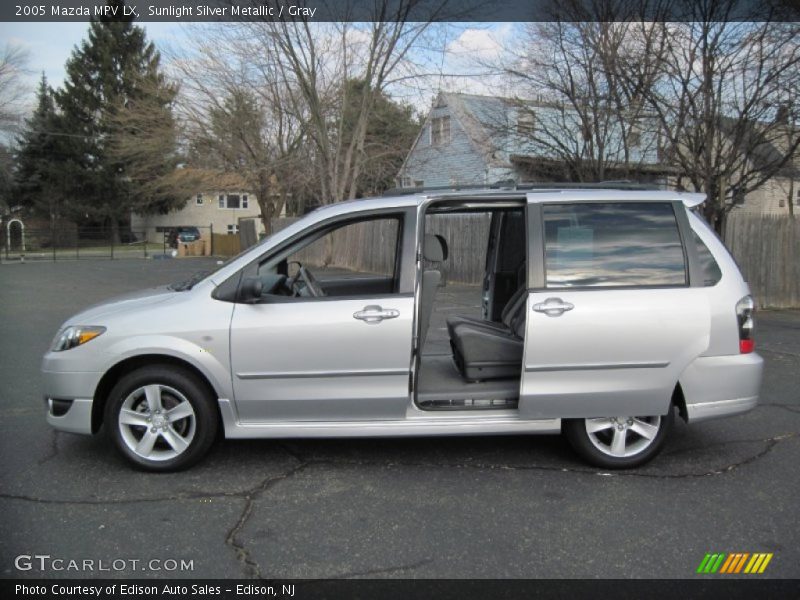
(602, 313)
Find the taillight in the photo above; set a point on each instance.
(744, 318)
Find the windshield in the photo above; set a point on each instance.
(201, 275)
(182, 286)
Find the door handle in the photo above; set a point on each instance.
(553, 307)
(375, 314)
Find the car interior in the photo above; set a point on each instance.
(316, 265)
(471, 356)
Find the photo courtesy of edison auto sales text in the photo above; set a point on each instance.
(126, 589)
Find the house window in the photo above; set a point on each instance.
(526, 124)
(405, 182)
(233, 201)
(233, 229)
(634, 136)
(798, 193)
(440, 131)
(199, 200)
(419, 183)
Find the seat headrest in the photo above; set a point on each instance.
(434, 248)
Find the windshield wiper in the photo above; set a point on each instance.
(182, 286)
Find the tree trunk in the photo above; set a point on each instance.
(264, 203)
(114, 231)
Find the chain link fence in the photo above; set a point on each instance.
(20, 243)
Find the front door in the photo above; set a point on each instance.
(343, 355)
(613, 319)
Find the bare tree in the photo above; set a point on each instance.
(725, 101)
(13, 91)
(242, 128)
(144, 136)
(314, 62)
(278, 107)
(579, 81)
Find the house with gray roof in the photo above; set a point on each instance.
(469, 139)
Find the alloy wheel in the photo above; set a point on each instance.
(157, 422)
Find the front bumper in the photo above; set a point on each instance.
(75, 389)
(77, 418)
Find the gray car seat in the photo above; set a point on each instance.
(488, 350)
(434, 249)
(505, 315)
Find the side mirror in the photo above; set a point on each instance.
(251, 289)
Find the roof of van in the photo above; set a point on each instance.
(566, 194)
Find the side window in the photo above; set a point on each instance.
(362, 248)
(357, 258)
(613, 244)
(711, 271)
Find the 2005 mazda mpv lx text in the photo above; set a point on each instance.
(604, 312)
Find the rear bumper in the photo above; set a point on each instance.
(721, 386)
(703, 411)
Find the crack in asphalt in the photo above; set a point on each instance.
(250, 496)
(306, 462)
(793, 408)
(53, 448)
(251, 567)
(770, 444)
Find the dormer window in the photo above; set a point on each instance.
(440, 131)
(526, 124)
(634, 136)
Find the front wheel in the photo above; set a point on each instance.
(161, 418)
(618, 442)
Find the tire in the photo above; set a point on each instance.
(616, 442)
(161, 418)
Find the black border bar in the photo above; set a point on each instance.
(180, 11)
(731, 587)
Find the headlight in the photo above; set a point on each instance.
(75, 336)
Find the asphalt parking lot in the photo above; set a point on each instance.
(491, 507)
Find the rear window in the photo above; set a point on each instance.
(613, 245)
(711, 270)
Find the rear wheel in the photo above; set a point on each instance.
(160, 418)
(619, 442)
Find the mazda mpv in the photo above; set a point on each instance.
(600, 314)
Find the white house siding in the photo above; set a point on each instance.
(772, 198)
(205, 215)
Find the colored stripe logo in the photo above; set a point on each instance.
(736, 562)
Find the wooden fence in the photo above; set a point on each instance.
(369, 247)
(226, 245)
(767, 248)
(467, 236)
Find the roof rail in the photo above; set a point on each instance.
(405, 191)
(510, 184)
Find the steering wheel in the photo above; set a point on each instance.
(292, 281)
(312, 285)
(311, 282)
